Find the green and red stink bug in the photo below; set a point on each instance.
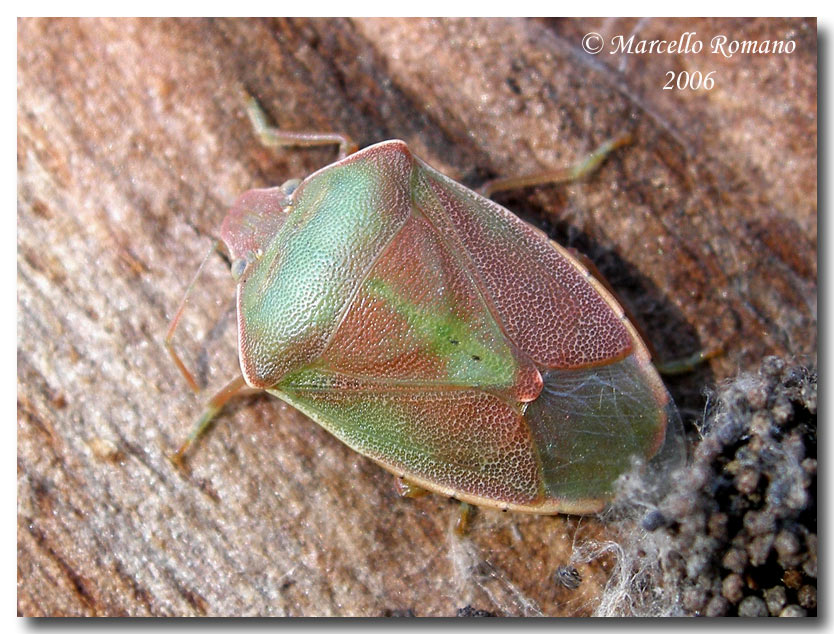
(436, 333)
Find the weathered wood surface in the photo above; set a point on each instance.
(132, 142)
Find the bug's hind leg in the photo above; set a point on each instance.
(569, 174)
(273, 137)
(687, 364)
(464, 521)
(673, 367)
(407, 489)
(235, 387)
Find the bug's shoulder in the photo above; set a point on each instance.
(390, 151)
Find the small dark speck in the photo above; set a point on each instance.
(399, 613)
(470, 611)
(454, 342)
(568, 576)
(654, 520)
(475, 357)
(513, 84)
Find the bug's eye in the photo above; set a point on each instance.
(290, 186)
(239, 267)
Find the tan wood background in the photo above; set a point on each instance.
(132, 142)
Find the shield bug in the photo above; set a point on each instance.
(436, 333)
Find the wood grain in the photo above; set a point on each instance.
(132, 142)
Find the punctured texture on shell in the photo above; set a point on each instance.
(433, 331)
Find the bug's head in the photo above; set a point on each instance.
(252, 221)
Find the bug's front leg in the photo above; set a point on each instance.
(235, 387)
(273, 137)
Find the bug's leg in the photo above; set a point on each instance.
(668, 368)
(575, 172)
(687, 364)
(273, 137)
(408, 489)
(235, 387)
(464, 519)
(175, 320)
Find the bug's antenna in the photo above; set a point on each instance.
(169, 344)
